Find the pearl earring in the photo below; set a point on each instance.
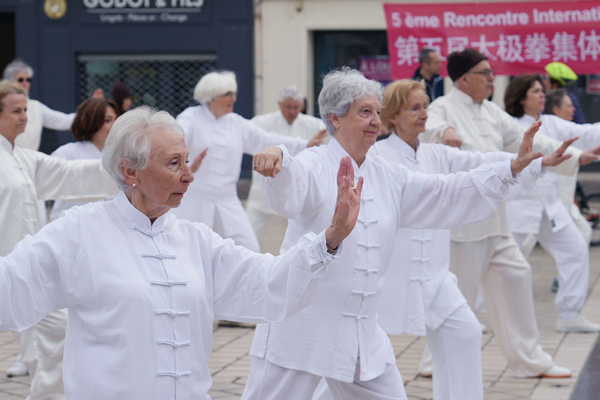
(134, 185)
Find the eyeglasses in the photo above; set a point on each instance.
(21, 80)
(485, 72)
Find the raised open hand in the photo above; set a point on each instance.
(347, 205)
(525, 155)
(558, 156)
(268, 161)
(195, 165)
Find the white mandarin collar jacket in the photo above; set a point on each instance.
(142, 297)
(420, 258)
(485, 127)
(27, 175)
(328, 336)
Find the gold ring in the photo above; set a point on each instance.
(353, 188)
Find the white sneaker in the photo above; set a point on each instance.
(576, 324)
(17, 369)
(557, 372)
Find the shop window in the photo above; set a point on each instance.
(335, 49)
(163, 81)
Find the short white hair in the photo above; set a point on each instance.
(213, 85)
(340, 89)
(14, 67)
(128, 140)
(291, 92)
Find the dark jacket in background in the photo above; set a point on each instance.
(433, 88)
(578, 117)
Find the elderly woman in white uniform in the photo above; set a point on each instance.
(142, 286)
(337, 337)
(214, 130)
(27, 176)
(421, 296)
(541, 215)
(93, 120)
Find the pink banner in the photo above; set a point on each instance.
(376, 68)
(516, 37)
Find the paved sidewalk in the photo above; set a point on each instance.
(230, 361)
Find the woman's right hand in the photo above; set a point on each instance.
(347, 205)
(268, 161)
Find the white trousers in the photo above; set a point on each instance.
(231, 222)
(42, 348)
(582, 223)
(268, 381)
(456, 349)
(258, 219)
(571, 254)
(505, 276)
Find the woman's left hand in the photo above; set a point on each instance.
(525, 155)
(347, 205)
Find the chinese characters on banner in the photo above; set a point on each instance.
(516, 37)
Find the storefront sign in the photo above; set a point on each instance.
(142, 11)
(376, 68)
(593, 84)
(516, 37)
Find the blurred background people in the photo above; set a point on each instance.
(213, 129)
(429, 73)
(539, 215)
(121, 94)
(288, 121)
(485, 252)
(560, 76)
(93, 120)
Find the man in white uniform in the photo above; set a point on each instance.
(288, 121)
(485, 252)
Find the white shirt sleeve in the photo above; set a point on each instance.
(56, 120)
(56, 178)
(257, 139)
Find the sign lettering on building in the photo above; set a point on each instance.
(516, 37)
(142, 11)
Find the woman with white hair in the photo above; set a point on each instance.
(337, 336)
(27, 176)
(142, 287)
(38, 115)
(214, 130)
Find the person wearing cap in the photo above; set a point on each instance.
(288, 121)
(485, 252)
(559, 76)
(122, 96)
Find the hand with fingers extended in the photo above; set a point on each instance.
(558, 156)
(195, 165)
(347, 205)
(525, 156)
(317, 140)
(589, 156)
(268, 161)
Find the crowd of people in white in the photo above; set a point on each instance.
(149, 244)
